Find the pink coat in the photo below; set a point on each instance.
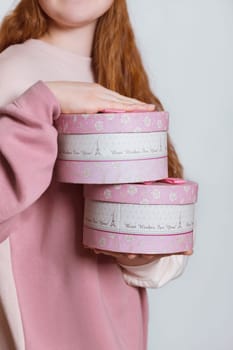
(54, 295)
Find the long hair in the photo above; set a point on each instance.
(116, 61)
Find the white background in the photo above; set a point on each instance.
(187, 47)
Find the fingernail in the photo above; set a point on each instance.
(131, 256)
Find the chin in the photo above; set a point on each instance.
(75, 21)
(75, 12)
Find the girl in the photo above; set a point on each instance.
(66, 56)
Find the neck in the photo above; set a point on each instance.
(78, 40)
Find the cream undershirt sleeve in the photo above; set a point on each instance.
(155, 274)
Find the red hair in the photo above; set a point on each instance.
(116, 61)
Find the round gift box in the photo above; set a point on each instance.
(141, 218)
(112, 148)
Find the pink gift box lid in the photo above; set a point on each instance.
(168, 191)
(114, 122)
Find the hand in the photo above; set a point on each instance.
(136, 259)
(80, 97)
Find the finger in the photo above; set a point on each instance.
(130, 102)
(131, 256)
(149, 256)
(177, 253)
(114, 97)
(126, 106)
(117, 97)
(110, 92)
(188, 252)
(114, 254)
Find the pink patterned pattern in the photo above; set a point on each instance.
(183, 192)
(112, 122)
(142, 244)
(116, 172)
(169, 192)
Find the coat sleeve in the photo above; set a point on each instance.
(28, 150)
(155, 274)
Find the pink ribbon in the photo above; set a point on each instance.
(170, 180)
